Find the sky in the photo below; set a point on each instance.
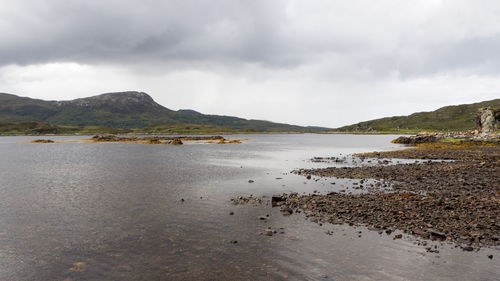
(322, 63)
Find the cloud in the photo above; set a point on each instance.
(250, 56)
(376, 36)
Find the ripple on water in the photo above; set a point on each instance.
(82, 211)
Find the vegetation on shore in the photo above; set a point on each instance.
(449, 118)
(36, 128)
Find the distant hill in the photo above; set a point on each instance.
(123, 110)
(452, 118)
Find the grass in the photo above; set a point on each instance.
(449, 118)
(36, 128)
(455, 145)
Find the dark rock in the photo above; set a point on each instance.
(269, 232)
(287, 211)
(176, 142)
(437, 235)
(42, 141)
(468, 248)
(276, 200)
(412, 140)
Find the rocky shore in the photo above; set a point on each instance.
(42, 141)
(456, 201)
(467, 136)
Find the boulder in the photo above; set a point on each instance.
(486, 122)
(420, 138)
(176, 142)
(277, 200)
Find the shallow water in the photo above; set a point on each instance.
(113, 211)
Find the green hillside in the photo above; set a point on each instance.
(123, 110)
(449, 118)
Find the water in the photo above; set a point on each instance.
(113, 211)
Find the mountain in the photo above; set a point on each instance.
(452, 118)
(123, 110)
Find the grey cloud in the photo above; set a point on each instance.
(232, 32)
(124, 31)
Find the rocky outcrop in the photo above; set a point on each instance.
(42, 141)
(486, 123)
(176, 141)
(421, 138)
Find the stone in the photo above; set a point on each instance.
(176, 142)
(277, 200)
(287, 211)
(486, 121)
(269, 232)
(468, 248)
(437, 235)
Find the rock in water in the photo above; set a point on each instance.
(176, 142)
(287, 211)
(277, 200)
(269, 232)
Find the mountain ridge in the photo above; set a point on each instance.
(128, 109)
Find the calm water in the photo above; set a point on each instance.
(115, 210)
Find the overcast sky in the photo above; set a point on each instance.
(326, 63)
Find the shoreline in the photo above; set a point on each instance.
(457, 201)
(159, 134)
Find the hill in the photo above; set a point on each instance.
(449, 118)
(124, 110)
